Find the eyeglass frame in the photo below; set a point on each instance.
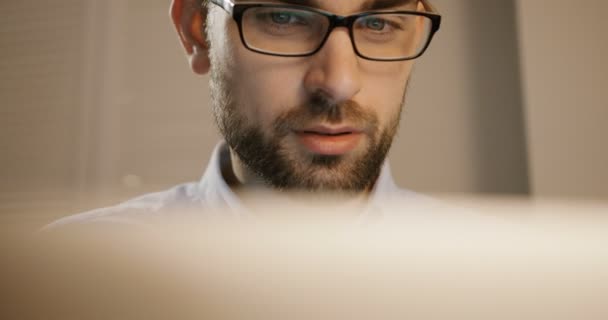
(237, 10)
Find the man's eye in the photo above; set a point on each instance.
(282, 17)
(287, 18)
(375, 24)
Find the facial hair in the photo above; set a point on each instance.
(270, 155)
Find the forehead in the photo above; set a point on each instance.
(345, 6)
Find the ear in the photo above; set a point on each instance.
(421, 6)
(189, 20)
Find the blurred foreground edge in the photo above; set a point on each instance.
(480, 261)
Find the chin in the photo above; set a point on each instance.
(328, 173)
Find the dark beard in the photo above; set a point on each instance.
(267, 161)
(282, 169)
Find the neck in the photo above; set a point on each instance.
(245, 178)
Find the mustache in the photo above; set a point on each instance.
(320, 108)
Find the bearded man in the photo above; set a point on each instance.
(307, 95)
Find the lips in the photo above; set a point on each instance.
(330, 131)
(329, 141)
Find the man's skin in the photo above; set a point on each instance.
(273, 103)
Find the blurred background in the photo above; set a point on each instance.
(98, 104)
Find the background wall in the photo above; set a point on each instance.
(463, 129)
(97, 102)
(565, 75)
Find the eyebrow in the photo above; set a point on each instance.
(306, 3)
(310, 3)
(385, 4)
(369, 5)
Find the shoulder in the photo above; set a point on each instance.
(138, 211)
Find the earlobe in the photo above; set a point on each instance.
(199, 62)
(189, 21)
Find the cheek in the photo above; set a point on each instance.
(266, 93)
(264, 86)
(384, 86)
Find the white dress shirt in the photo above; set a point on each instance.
(212, 196)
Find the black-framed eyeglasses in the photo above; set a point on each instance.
(298, 31)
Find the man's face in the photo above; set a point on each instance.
(323, 122)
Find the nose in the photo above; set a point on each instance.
(334, 70)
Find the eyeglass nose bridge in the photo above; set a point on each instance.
(336, 21)
(341, 21)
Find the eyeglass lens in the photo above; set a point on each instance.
(289, 31)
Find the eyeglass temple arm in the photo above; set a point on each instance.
(227, 5)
